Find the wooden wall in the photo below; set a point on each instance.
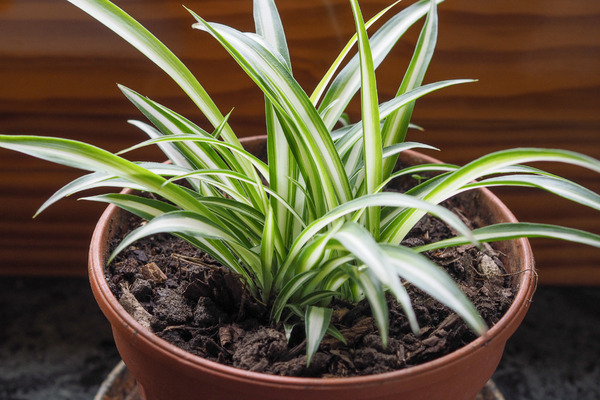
(537, 62)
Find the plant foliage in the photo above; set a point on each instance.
(313, 222)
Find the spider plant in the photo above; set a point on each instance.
(314, 222)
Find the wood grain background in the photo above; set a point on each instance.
(537, 62)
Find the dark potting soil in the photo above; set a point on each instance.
(188, 299)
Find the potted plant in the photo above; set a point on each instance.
(311, 224)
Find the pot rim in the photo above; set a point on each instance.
(117, 315)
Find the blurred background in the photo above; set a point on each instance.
(538, 68)
(537, 63)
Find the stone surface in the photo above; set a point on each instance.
(55, 344)
(554, 354)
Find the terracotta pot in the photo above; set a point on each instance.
(165, 372)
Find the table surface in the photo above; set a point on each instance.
(55, 344)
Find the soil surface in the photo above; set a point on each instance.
(188, 299)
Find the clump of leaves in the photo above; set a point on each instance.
(314, 222)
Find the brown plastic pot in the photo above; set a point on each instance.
(165, 372)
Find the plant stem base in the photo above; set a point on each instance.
(120, 385)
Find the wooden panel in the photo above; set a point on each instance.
(539, 85)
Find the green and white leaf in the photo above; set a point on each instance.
(141, 206)
(87, 157)
(357, 241)
(360, 204)
(372, 155)
(396, 125)
(183, 222)
(352, 134)
(139, 37)
(375, 294)
(486, 165)
(556, 185)
(295, 111)
(316, 322)
(508, 231)
(426, 275)
(347, 82)
(293, 286)
(320, 88)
